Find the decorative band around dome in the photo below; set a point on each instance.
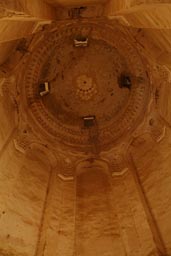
(121, 113)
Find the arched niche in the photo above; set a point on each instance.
(96, 228)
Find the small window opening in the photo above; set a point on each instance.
(76, 12)
(81, 41)
(44, 89)
(89, 121)
(125, 81)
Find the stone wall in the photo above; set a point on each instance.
(23, 188)
(7, 115)
(153, 163)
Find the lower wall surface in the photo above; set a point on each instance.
(153, 163)
(97, 230)
(23, 184)
(95, 213)
(57, 233)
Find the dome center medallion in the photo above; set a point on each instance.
(86, 87)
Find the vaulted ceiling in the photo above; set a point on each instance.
(85, 169)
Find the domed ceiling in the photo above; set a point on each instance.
(102, 78)
(85, 128)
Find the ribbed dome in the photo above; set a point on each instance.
(85, 81)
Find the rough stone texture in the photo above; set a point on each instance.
(153, 163)
(6, 50)
(97, 230)
(23, 182)
(58, 225)
(7, 114)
